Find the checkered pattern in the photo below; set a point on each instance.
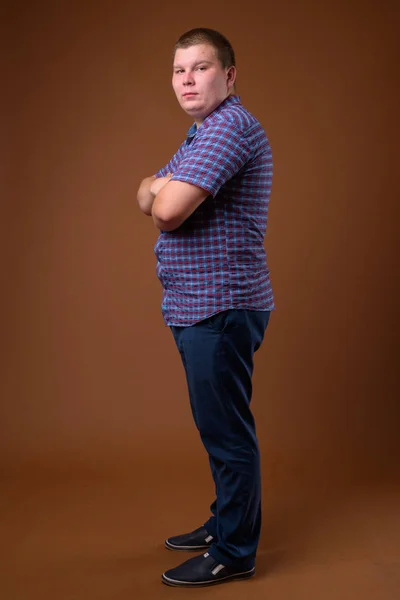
(216, 259)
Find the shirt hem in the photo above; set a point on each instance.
(211, 314)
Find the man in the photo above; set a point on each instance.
(210, 203)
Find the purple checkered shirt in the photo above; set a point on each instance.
(216, 259)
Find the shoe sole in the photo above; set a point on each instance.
(170, 546)
(176, 583)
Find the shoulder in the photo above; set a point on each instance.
(234, 118)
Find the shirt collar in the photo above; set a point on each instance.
(191, 133)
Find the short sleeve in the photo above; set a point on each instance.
(216, 154)
(173, 163)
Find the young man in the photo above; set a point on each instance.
(210, 203)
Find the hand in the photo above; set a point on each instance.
(159, 183)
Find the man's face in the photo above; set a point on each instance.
(199, 80)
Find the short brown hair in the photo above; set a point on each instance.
(202, 35)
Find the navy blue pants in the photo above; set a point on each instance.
(217, 355)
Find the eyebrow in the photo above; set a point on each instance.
(199, 62)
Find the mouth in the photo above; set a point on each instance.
(189, 94)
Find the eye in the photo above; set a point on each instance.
(202, 68)
(179, 71)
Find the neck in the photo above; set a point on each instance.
(200, 121)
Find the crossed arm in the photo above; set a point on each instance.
(170, 203)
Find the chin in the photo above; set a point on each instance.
(193, 111)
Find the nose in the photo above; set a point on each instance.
(188, 78)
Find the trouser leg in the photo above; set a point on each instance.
(218, 359)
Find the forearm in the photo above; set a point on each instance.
(145, 197)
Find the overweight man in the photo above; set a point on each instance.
(210, 204)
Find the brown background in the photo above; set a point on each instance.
(90, 377)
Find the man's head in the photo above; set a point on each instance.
(204, 71)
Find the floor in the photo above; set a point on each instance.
(94, 536)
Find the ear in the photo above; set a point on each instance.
(231, 76)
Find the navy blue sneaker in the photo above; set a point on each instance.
(199, 539)
(203, 570)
